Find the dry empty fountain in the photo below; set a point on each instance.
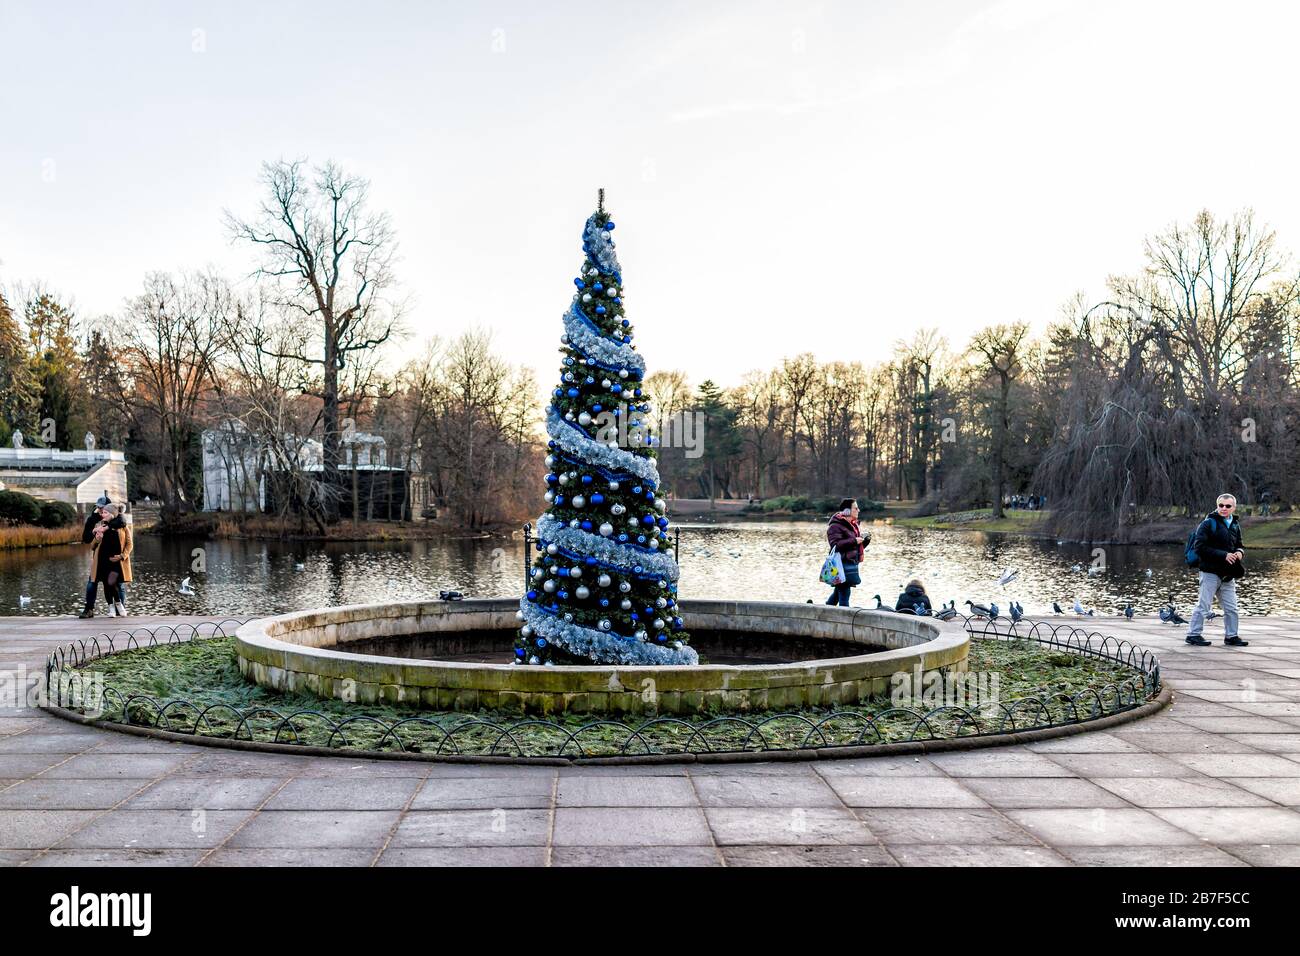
(442, 655)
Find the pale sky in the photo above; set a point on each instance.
(784, 176)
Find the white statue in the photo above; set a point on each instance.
(90, 441)
(18, 438)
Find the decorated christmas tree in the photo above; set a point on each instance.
(603, 588)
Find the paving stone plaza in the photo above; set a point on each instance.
(1212, 780)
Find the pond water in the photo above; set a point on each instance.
(768, 561)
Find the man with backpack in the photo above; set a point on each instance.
(1215, 548)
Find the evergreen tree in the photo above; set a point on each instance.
(103, 389)
(603, 587)
(722, 441)
(19, 395)
(56, 368)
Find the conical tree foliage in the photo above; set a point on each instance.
(604, 585)
(20, 396)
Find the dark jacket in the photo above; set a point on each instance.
(913, 599)
(842, 534)
(110, 546)
(88, 532)
(1214, 541)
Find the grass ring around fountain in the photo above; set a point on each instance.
(184, 683)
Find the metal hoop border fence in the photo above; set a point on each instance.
(520, 739)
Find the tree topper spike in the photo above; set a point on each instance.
(600, 199)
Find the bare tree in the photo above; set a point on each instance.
(173, 338)
(331, 258)
(1001, 348)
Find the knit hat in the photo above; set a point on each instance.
(103, 501)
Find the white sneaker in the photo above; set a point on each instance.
(112, 610)
(120, 608)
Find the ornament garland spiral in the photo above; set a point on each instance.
(603, 587)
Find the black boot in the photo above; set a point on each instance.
(1235, 641)
(1197, 641)
(88, 612)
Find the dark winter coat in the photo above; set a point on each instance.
(913, 599)
(1215, 540)
(110, 546)
(842, 534)
(124, 533)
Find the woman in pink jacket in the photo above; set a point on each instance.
(844, 536)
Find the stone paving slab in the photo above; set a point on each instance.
(808, 855)
(1213, 780)
(959, 854)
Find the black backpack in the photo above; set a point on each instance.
(1189, 554)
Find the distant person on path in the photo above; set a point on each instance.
(914, 598)
(109, 561)
(90, 534)
(1217, 544)
(844, 536)
(128, 545)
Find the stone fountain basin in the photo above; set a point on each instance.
(317, 652)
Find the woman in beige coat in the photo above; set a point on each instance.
(116, 608)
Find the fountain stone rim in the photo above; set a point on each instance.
(304, 651)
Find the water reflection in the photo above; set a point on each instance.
(767, 561)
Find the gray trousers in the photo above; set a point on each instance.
(1212, 584)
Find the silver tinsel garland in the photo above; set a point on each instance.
(618, 556)
(580, 446)
(600, 246)
(594, 344)
(600, 645)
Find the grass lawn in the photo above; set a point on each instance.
(205, 674)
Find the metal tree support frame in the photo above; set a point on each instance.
(526, 739)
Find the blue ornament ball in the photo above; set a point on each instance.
(609, 225)
(600, 310)
(541, 642)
